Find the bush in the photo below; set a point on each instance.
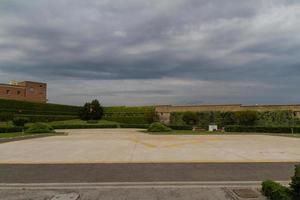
(40, 128)
(158, 127)
(246, 118)
(275, 191)
(20, 121)
(190, 118)
(47, 118)
(92, 121)
(91, 111)
(295, 184)
(262, 129)
(145, 126)
(84, 126)
(11, 129)
(180, 127)
(6, 116)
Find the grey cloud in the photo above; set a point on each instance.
(218, 42)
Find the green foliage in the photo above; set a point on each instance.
(6, 116)
(31, 108)
(20, 121)
(180, 127)
(10, 129)
(158, 127)
(277, 118)
(295, 184)
(40, 128)
(92, 121)
(145, 126)
(275, 191)
(91, 111)
(246, 118)
(84, 126)
(47, 118)
(262, 129)
(190, 118)
(130, 115)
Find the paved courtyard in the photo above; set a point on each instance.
(134, 146)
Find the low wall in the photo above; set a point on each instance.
(163, 112)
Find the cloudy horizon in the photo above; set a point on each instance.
(145, 52)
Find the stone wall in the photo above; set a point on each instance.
(163, 112)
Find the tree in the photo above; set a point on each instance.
(190, 118)
(92, 111)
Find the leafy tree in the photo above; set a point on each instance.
(92, 111)
(190, 118)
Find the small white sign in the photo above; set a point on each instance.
(212, 128)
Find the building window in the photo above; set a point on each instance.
(7, 91)
(31, 90)
(41, 85)
(18, 92)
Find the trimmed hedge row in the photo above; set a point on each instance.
(84, 126)
(47, 118)
(262, 129)
(10, 129)
(134, 126)
(32, 108)
(180, 127)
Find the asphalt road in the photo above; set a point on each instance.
(97, 173)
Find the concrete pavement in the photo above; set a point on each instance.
(133, 146)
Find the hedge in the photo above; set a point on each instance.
(262, 129)
(145, 126)
(32, 108)
(270, 118)
(180, 127)
(11, 129)
(48, 118)
(84, 126)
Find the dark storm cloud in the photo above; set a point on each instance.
(217, 42)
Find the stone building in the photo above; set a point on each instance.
(24, 91)
(164, 111)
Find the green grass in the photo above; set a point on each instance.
(16, 135)
(80, 122)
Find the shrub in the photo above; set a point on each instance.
(146, 126)
(84, 126)
(158, 127)
(91, 111)
(190, 118)
(246, 118)
(6, 116)
(92, 121)
(20, 121)
(295, 184)
(262, 129)
(40, 128)
(11, 129)
(275, 191)
(180, 127)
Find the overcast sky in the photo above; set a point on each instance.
(142, 52)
